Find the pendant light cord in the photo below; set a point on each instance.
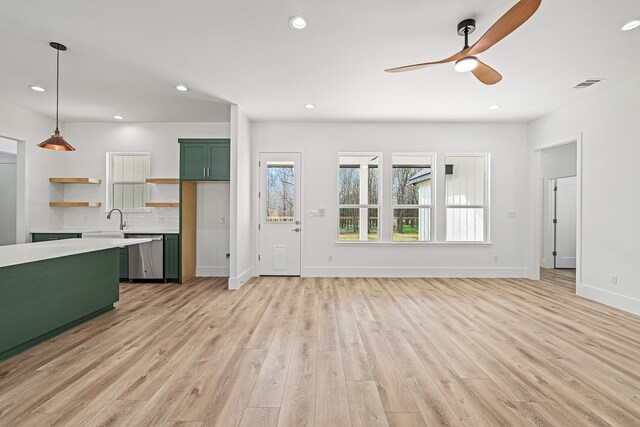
(57, 85)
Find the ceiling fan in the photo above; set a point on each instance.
(466, 59)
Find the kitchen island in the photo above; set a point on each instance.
(49, 287)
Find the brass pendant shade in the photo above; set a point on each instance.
(57, 142)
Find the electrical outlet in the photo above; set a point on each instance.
(512, 214)
(161, 220)
(330, 258)
(223, 220)
(84, 219)
(495, 258)
(614, 280)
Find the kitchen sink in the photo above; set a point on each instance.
(113, 234)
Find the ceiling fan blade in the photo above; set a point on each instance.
(452, 58)
(516, 16)
(486, 74)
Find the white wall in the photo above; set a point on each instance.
(212, 225)
(242, 251)
(610, 129)
(34, 166)
(320, 143)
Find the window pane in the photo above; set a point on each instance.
(358, 224)
(358, 180)
(411, 180)
(412, 225)
(130, 196)
(280, 192)
(464, 180)
(349, 185)
(465, 224)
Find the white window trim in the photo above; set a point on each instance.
(487, 197)
(368, 206)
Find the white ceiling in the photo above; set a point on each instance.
(125, 57)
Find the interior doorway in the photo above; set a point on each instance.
(557, 202)
(8, 191)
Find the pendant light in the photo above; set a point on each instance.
(57, 142)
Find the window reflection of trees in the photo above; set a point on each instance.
(405, 193)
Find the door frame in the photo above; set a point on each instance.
(537, 210)
(22, 209)
(257, 186)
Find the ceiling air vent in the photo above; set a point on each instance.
(587, 83)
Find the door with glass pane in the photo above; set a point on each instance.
(280, 213)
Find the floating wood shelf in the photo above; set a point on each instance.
(75, 180)
(163, 180)
(162, 204)
(75, 204)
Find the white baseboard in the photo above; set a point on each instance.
(236, 282)
(497, 272)
(212, 271)
(622, 302)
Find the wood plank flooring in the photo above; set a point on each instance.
(336, 352)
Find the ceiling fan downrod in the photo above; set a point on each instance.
(465, 28)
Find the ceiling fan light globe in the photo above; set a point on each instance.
(466, 64)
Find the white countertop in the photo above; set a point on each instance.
(31, 252)
(132, 230)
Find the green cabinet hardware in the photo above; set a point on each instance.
(205, 159)
(171, 257)
(43, 237)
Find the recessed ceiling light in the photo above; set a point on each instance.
(38, 88)
(630, 25)
(182, 88)
(494, 107)
(298, 22)
(117, 117)
(309, 106)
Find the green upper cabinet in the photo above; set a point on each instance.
(204, 159)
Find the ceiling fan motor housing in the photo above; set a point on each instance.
(468, 24)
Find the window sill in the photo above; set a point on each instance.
(408, 244)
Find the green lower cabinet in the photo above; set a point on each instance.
(171, 257)
(44, 237)
(124, 264)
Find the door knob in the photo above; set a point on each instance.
(297, 230)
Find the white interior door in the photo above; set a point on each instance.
(565, 225)
(280, 214)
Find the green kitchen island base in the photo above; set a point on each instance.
(41, 299)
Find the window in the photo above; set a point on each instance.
(280, 192)
(358, 196)
(127, 188)
(411, 197)
(466, 198)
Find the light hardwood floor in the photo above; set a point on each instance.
(336, 352)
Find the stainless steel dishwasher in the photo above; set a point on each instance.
(146, 260)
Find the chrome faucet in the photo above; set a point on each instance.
(123, 224)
